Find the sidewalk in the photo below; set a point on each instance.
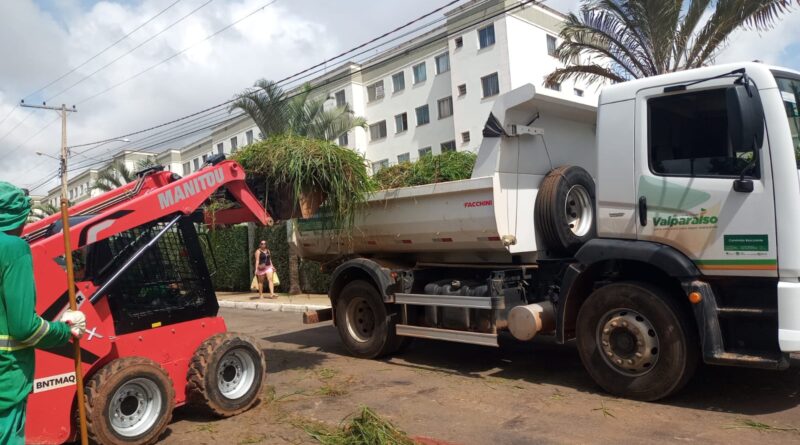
(284, 302)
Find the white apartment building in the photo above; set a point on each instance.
(430, 94)
(434, 93)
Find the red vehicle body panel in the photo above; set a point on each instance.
(51, 405)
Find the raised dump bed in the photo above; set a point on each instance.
(488, 218)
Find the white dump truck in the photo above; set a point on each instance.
(657, 230)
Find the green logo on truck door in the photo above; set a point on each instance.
(701, 220)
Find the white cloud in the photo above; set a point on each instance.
(209, 73)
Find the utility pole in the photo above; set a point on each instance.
(73, 305)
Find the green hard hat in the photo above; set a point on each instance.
(15, 205)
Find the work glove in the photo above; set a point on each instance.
(76, 321)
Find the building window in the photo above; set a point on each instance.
(688, 136)
(375, 91)
(462, 89)
(556, 87)
(442, 63)
(491, 85)
(424, 151)
(249, 136)
(551, 46)
(423, 115)
(377, 166)
(205, 158)
(187, 168)
(465, 137)
(486, 36)
(420, 74)
(399, 82)
(220, 148)
(448, 146)
(343, 140)
(377, 131)
(401, 123)
(340, 99)
(234, 144)
(459, 42)
(196, 162)
(578, 92)
(445, 107)
(405, 157)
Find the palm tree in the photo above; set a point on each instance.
(41, 211)
(619, 40)
(117, 174)
(114, 176)
(276, 112)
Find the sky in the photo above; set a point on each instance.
(44, 39)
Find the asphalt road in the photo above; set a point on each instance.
(518, 394)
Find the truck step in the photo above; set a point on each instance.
(747, 312)
(766, 361)
(474, 338)
(450, 301)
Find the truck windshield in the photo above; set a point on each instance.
(790, 92)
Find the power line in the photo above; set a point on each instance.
(104, 50)
(380, 62)
(335, 79)
(227, 102)
(149, 39)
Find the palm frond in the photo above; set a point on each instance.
(589, 73)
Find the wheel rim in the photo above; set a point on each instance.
(360, 320)
(135, 407)
(236, 373)
(579, 210)
(628, 341)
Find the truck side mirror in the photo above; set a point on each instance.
(745, 117)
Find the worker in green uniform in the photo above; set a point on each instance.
(21, 329)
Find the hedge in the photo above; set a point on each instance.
(233, 258)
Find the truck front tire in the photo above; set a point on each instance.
(636, 342)
(366, 325)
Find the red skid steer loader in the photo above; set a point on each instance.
(154, 340)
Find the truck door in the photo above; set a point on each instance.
(685, 170)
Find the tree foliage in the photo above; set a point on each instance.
(118, 174)
(276, 112)
(619, 40)
(305, 164)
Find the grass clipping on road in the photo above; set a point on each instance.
(367, 428)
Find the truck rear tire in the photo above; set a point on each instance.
(564, 214)
(226, 374)
(636, 342)
(366, 325)
(129, 401)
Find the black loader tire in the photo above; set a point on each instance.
(550, 213)
(379, 338)
(230, 356)
(670, 364)
(102, 387)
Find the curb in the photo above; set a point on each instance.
(271, 307)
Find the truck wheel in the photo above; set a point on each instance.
(129, 401)
(635, 341)
(564, 214)
(365, 324)
(226, 374)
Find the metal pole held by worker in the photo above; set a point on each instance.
(73, 304)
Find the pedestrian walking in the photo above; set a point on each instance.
(21, 329)
(264, 270)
